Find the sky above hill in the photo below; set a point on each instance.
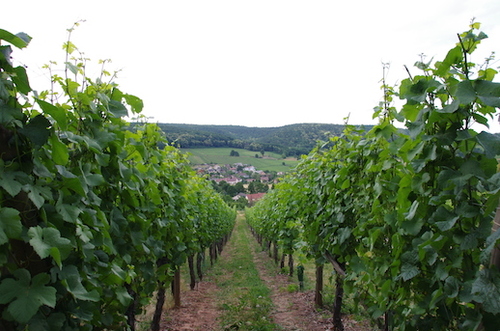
(254, 63)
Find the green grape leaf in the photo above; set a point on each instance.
(453, 57)
(342, 235)
(19, 40)
(57, 113)
(68, 212)
(416, 150)
(346, 184)
(469, 241)
(491, 243)
(413, 210)
(117, 109)
(37, 130)
(54, 321)
(94, 145)
(10, 224)
(443, 218)
(412, 227)
(134, 102)
(21, 80)
(63, 171)
(9, 182)
(123, 296)
(451, 108)
(465, 92)
(408, 271)
(451, 287)
(60, 153)
(73, 283)
(43, 240)
(490, 143)
(73, 68)
(37, 194)
(488, 92)
(94, 179)
(69, 47)
(25, 295)
(416, 91)
(486, 290)
(487, 74)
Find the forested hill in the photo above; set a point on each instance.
(289, 140)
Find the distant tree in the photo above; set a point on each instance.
(229, 200)
(256, 156)
(241, 203)
(263, 188)
(251, 188)
(222, 186)
(262, 152)
(239, 187)
(225, 188)
(231, 190)
(234, 153)
(257, 187)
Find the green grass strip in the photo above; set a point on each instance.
(243, 297)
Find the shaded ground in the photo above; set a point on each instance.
(296, 310)
(293, 311)
(198, 311)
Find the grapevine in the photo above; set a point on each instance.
(406, 216)
(94, 215)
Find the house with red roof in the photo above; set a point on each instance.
(253, 198)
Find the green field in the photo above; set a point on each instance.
(270, 161)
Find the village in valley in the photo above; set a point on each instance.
(240, 184)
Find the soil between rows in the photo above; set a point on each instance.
(293, 311)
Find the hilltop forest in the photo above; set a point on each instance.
(289, 140)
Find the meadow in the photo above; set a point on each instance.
(269, 161)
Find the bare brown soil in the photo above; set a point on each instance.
(293, 310)
(198, 311)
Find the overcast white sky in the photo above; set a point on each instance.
(253, 63)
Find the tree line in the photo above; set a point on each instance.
(290, 140)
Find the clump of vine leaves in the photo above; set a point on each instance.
(408, 214)
(93, 215)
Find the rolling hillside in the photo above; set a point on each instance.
(289, 140)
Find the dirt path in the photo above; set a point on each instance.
(198, 311)
(293, 311)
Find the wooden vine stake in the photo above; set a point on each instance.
(339, 291)
(318, 293)
(495, 255)
(176, 288)
(192, 273)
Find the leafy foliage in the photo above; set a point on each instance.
(93, 216)
(408, 215)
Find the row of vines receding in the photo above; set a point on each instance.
(94, 217)
(406, 217)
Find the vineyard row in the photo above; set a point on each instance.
(94, 218)
(405, 216)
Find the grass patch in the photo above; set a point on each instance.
(349, 306)
(243, 298)
(270, 161)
